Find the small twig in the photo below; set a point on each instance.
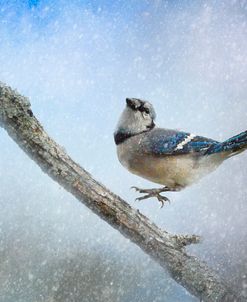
(184, 240)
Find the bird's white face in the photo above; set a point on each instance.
(138, 116)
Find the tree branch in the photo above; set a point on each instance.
(168, 250)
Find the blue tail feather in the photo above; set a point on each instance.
(234, 144)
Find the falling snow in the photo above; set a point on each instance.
(78, 61)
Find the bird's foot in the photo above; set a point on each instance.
(153, 193)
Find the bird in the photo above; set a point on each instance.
(171, 158)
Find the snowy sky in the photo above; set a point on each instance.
(77, 61)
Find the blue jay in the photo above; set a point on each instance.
(171, 158)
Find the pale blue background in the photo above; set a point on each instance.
(77, 61)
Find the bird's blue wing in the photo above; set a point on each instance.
(172, 142)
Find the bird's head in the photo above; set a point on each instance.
(137, 117)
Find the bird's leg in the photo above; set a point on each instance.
(156, 193)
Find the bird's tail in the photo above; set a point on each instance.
(231, 146)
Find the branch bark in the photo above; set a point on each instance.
(168, 250)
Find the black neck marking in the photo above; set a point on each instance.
(121, 136)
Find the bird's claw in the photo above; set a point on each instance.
(152, 193)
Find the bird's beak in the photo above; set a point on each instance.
(150, 127)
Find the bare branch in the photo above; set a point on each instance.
(168, 250)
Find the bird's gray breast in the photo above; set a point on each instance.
(161, 170)
(129, 153)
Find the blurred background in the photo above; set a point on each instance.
(77, 61)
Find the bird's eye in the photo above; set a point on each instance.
(145, 114)
(147, 110)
